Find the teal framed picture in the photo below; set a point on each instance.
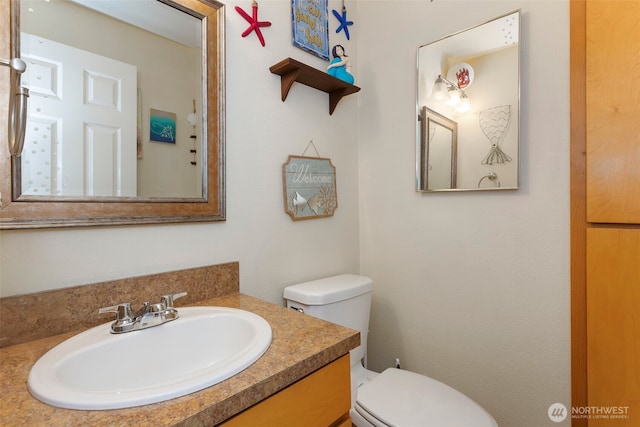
(309, 187)
(162, 126)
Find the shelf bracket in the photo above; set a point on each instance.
(287, 80)
(334, 98)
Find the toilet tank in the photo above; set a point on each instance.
(343, 299)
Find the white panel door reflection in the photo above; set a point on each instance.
(96, 156)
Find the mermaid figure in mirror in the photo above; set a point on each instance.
(340, 66)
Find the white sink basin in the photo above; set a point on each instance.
(100, 370)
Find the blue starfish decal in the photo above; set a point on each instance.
(344, 24)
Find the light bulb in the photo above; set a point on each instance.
(464, 105)
(454, 97)
(439, 91)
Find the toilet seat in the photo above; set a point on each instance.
(405, 399)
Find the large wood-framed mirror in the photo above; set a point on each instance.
(161, 159)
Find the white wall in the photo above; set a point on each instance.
(470, 288)
(262, 131)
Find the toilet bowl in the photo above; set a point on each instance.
(402, 398)
(394, 397)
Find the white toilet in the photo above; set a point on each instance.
(394, 397)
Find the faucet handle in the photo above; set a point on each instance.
(123, 311)
(124, 320)
(168, 300)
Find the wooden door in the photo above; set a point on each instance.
(605, 212)
(613, 325)
(613, 111)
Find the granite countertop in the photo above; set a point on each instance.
(301, 344)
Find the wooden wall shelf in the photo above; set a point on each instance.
(291, 71)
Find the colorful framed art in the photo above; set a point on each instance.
(162, 126)
(310, 26)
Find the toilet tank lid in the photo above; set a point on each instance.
(329, 289)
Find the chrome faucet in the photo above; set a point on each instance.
(148, 316)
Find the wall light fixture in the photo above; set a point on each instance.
(446, 91)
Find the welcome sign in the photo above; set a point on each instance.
(309, 187)
(310, 25)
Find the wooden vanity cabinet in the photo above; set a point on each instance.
(321, 399)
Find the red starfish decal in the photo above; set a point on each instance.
(254, 24)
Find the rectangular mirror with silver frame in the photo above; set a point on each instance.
(125, 113)
(468, 109)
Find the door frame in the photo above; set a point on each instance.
(578, 210)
